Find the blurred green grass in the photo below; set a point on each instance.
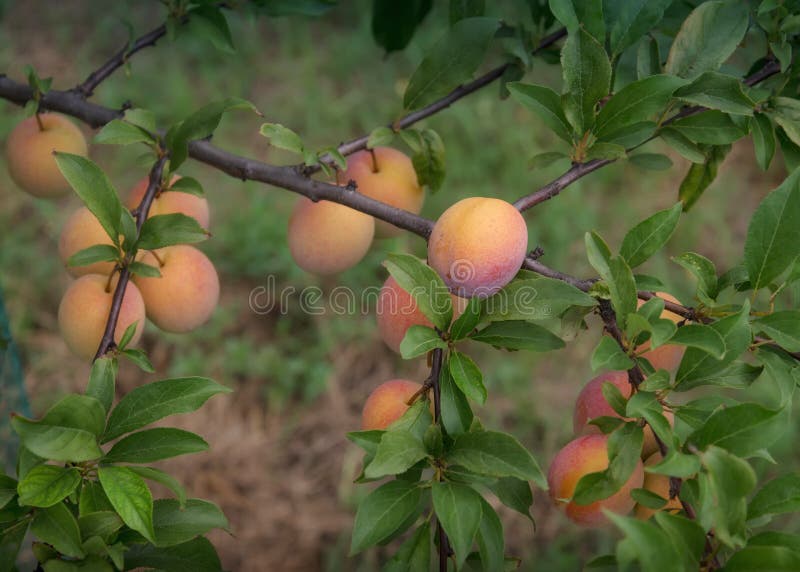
(326, 80)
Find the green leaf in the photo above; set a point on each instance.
(143, 118)
(456, 413)
(197, 555)
(61, 437)
(546, 103)
(700, 176)
(534, 298)
(467, 376)
(144, 270)
(210, 23)
(155, 444)
(575, 14)
(92, 498)
(397, 452)
(490, 538)
(11, 543)
(174, 524)
(707, 38)
(119, 132)
(414, 553)
(648, 58)
(130, 497)
(188, 185)
(458, 508)
(710, 127)
(518, 335)
(199, 125)
(159, 476)
(702, 337)
(687, 535)
(424, 285)
(643, 542)
(169, 229)
(429, 160)
(102, 380)
(57, 526)
(282, 137)
(778, 496)
(102, 523)
(703, 269)
(637, 101)
(496, 455)
(451, 61)
(742, 429)
(139, 357)
(96, 253)
(394, 23)
(698, 365)
(786, 113)
(468, 320)
(514, 493)
(624, 451)
(47, 485)
(773, 233)
(651, 161)
(609, 356)
(544, 160)
(420, 340)
(587, 78)
(763, 140)
(717, 91)
(151, 402)
(8, 489)
(380, 136)
(630, 20)
(94, 189)
(382, 512)
(647, 237)
(723, 495)
(783, 327)
(759, 558)
(682, 145)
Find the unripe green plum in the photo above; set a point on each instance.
(84, 309)
(584, 455)
(478, 245)
(29, 152)
(387, 403)
(386, 175)
(328, 238)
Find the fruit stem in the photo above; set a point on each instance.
(374, 161)
(158, 258)
(39, 121)
(110, 278)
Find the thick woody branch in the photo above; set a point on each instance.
(107, 342)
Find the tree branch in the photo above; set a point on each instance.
(107, 342)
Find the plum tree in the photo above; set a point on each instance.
(387, 175)
(667, 356)
(658, 484)
(387, 403)
(168, 201)
(29, 152)
(80, 231)
(584, 455)
(83, 313)
(328, 238)
(397, 311)
(478, 245)
(186, 293)
(591, 403)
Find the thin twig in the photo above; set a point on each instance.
(107, 342)
(436, 372)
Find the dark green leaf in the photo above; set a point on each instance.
(518, 335)
(773, 233)
(210, 22)
(394, 23)
(159, 476)
(514, 493)
(630, 20)
(683, 145)
(414, 554)
(786, 113)
(700, 176)
(130, 497)
(723, 495)
(174, 524)
(644, 542)
(429, 160)
(424, 285)
(151, 402)
(397, 452)
(760, 558)
(94, 189)
(587, 78)
(420, 340)
(546, 103)
(96, 253)
(577, 14)
(139, 357)
(456, 413)
(717, 91)
(8, 489)
(703, 269)
(169, 229)
(534, 298)
(458, 508)
(144, 270)
(380, 137)
(647, 237)
(648, 58)
(763, 140)
(702, 337)
(710, 127)
(609, 356)
(490, 538)
(468, 320)
(197, 555)
(624, 451)
(495, 454)
(779, 496)
(451, 61)
(102, 523)
(47, 485)
(707, 38)
(155, 444)
(382, 512)
(57, 526)
(467, 376)
(651, 161)
(119, 132)
(742, 429)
